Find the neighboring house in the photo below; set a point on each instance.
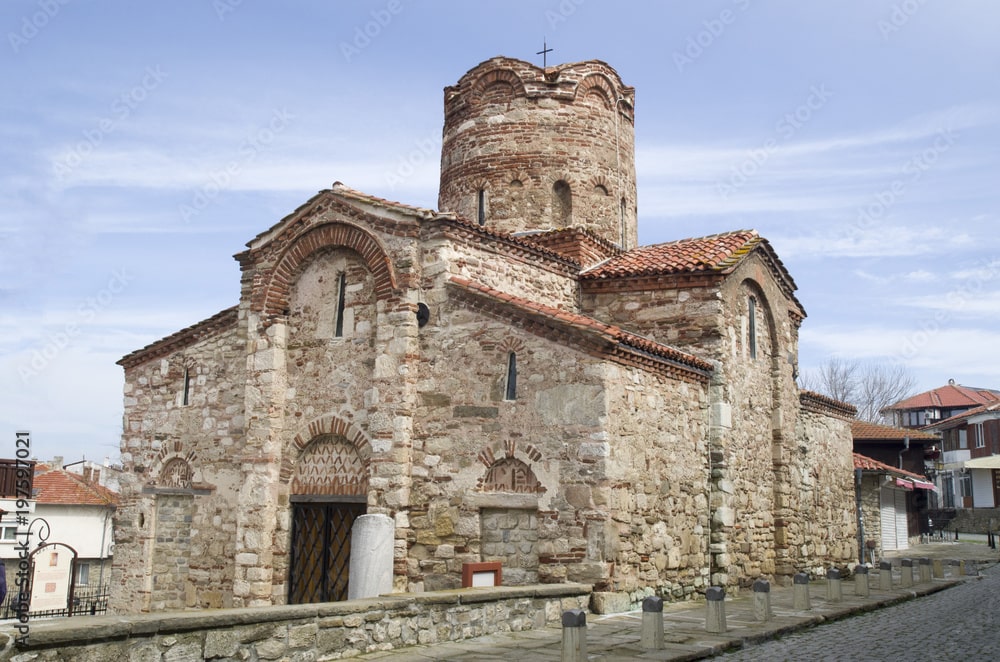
(104, 474)
(78, 514)
(931, 407)
(511, 379)
(969, 473)
(9, 494)
(906, 451)
(885, 513)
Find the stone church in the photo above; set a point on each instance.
(510, 378)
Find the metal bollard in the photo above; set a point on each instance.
(925, 570)
(762, 600)
(834, 589)
(938, 569)
(652, 623)
(715, 621)
(861, 581)
(574, 637)
(906, 573)
(800, 592)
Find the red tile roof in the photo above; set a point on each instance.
(958, 418)
(866, 431)
(949, 395)
(866, 463)
(618, 344)
(717, 253)
(58, 487)
(823, 404)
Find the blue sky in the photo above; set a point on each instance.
(143, 144)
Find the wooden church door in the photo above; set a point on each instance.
(320, 560)
(328, 492)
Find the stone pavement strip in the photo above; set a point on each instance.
(616, 637)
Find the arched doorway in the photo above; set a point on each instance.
(329, 491)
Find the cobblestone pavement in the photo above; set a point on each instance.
(957, 624)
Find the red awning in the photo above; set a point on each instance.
(923, 485)
(905, 484)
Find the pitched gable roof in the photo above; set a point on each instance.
(965, 415)
(718, 253)
(588, 334)
(62, 488)
(949, 395)
(867, 431)
(866, 463)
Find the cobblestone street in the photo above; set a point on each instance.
(957, 624)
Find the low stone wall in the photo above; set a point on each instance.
(975, 520)
(327, 631)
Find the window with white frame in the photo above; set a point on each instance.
(8, 532)
(82, 574)
(980, 439)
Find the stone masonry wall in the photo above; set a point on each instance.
(474, 449)
(329, 631)
(655, 488)
(823, 492)
(172, 450)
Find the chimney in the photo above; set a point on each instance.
(87, 474)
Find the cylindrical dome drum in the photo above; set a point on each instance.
(526, 149)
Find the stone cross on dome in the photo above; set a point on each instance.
(544, 53)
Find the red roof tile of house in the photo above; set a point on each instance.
(958, 418)
(949, 395)
(618, 341)
(866, 431)
(716, 253)
(58, 487)
(866, 463)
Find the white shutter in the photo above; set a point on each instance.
(887, 519)
(902, 530)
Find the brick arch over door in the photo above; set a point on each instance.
(328, 235)
(325, 426)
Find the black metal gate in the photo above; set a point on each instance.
(321, 550)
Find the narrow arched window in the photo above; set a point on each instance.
(338, 331)
(562, 204)
(481, 207)
(186, 392)
(752, 327)
(511, 377)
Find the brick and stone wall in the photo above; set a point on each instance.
(174, 549)
(548, 149)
